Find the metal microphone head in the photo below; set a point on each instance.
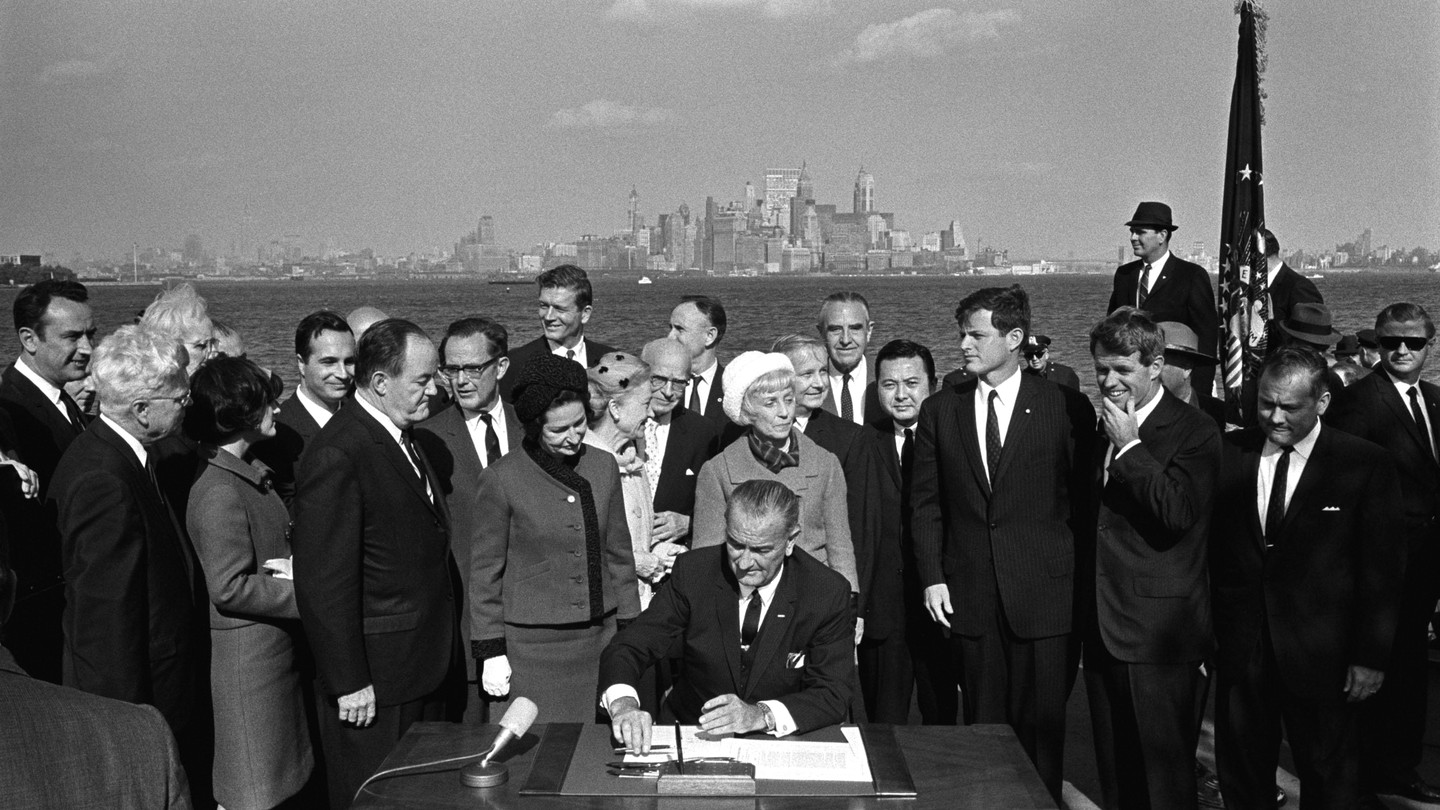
(520, 716)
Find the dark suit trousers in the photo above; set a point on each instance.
(886, 678)
(1392, 723)
(937, 670)
(1024, 683)
(1250, 705)
(354, 754)
(1143, 717)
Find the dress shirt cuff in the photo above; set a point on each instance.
(784, 723)
(484, 649)
(1123, 450)
(614, 693)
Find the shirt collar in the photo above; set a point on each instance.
(767, 592)
(496, 411)
(1158, 265)
(1009, 389)
(380, 417)
(559, 349)
(1303, 448)
(856, 374)
(802, 422)
(708, 375)
(1404, 387)
(900, 429)
(1149, 407)
(46, 387)
(135, 445)
(318, 412)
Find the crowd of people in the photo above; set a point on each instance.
(800, 537)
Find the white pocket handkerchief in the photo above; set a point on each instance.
(1331, 509)
(689, 471)
(795, 660)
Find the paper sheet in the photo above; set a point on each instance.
(789, 760)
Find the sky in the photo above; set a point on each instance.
(1038, 124)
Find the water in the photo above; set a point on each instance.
(627, 315)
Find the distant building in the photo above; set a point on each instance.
(780, 188)
(864, 192)
(485, 230)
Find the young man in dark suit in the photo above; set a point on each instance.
(1395, 409)
(678, 441)
(325, 358)
(367, 501)
(767, 629)
(136, 611)
(1143, 592)
(1286, 287)
(565, 309)
(474, 431)
(56, 334)
(1305, 556)
(1000, 465)
(1167, 287)
(845, 326)
(699, 322)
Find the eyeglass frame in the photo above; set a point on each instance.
(659, 383)
(183, 400)
(464, 371)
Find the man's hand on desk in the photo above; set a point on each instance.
(630, 725)
(728, 714)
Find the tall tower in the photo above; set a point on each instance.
(864, 192)
(780, 185)
(804, 188)
(634, 211)
(485, 231)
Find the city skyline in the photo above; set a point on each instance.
(1038, 127)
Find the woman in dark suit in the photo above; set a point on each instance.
(551, 564)
(240, 529)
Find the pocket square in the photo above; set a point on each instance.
(795, 660)
(689, 471)
(1331, 509)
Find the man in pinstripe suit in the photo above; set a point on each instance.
(1000, 463)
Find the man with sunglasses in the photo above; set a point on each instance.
(465, 438)
(1397, 410)
(1038, 362)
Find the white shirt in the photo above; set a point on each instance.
(1004, 407)
(900, 437)
(657, 438)
(580, 357)
(134, 443)
(1140, 416)
(1269, 457)
(784, 722)
(1404, 389)
(318, 412)
(704, 386)
(476, 427)
(395, 435)
(859, 379)
(1155, 269)
(49, 390)
(801, 422)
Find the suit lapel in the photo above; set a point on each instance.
(37, 404)
(727, 617)
(1020, 417)
(396, 456)
(154, 500)
(513, 429)
(1252, 491)
(886, 438)
(776, 630)
(1400, 410)
(1310, 479)
(969, 439)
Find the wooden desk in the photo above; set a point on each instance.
(954, 767)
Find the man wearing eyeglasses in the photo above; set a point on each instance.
(1400, 412)
(465, 438)
(678, 441)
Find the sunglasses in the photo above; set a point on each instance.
(1391, 343)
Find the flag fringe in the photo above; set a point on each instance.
(1262, 25)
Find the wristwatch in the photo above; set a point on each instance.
(769, 717)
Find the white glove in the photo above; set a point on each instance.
(495, 676)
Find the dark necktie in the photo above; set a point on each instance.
(570, 355)
(992, 438)
(748, 630)
(847, 405)
(1275, 511)
(492, 442)
(1143, 291)
(695, 404)
(72, 410)
(414, 453)
(907, 458)
(1418, 411)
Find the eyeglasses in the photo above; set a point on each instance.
(1392, 342)
(471, 372)
(658, 383)
(183, 400)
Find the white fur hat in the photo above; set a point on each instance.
(743, 371)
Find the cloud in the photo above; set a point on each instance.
(649, 9)
(71, 70)
(927, 34)
(602, 113)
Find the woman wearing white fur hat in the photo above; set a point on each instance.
(760, 395)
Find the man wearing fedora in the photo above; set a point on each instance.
(1347, 361)
(1397, 410)
(1310, 324)
(1182, 357)
(1037, 361)
(1165, 285)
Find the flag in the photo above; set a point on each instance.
(1244, 282)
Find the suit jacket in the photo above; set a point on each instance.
(693, 440)
(1287, 289)
(1145, 590)
(890, 579)
(818, 480)
(1328, 590)
(1013, 545)
(871, 396)
(528, 557)
(372, 563)
(1058, 373)
(295, 428)
(519, 357)
(456, 461)
(803, 655)
(1182, 293)
(64, 748)
(135, 612)
(1373, 410)
(851, 445)
(715, 403)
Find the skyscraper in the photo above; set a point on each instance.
(804, 190)
(780, 187)
(634, 212)
(485, 231)
(864, 192)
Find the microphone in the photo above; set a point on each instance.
(517, 720)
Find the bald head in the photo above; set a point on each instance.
(669, 361)
(362, 318)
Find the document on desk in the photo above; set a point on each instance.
(789, 760)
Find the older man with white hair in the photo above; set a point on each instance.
(135, 624)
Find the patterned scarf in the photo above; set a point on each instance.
(772, 454)
(563, 470)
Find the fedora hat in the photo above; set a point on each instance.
(1181, 343)
(1310, 323)
(1152, 215)
(1367, 339)
(1348, 345)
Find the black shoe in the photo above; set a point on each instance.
(1416, 790)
